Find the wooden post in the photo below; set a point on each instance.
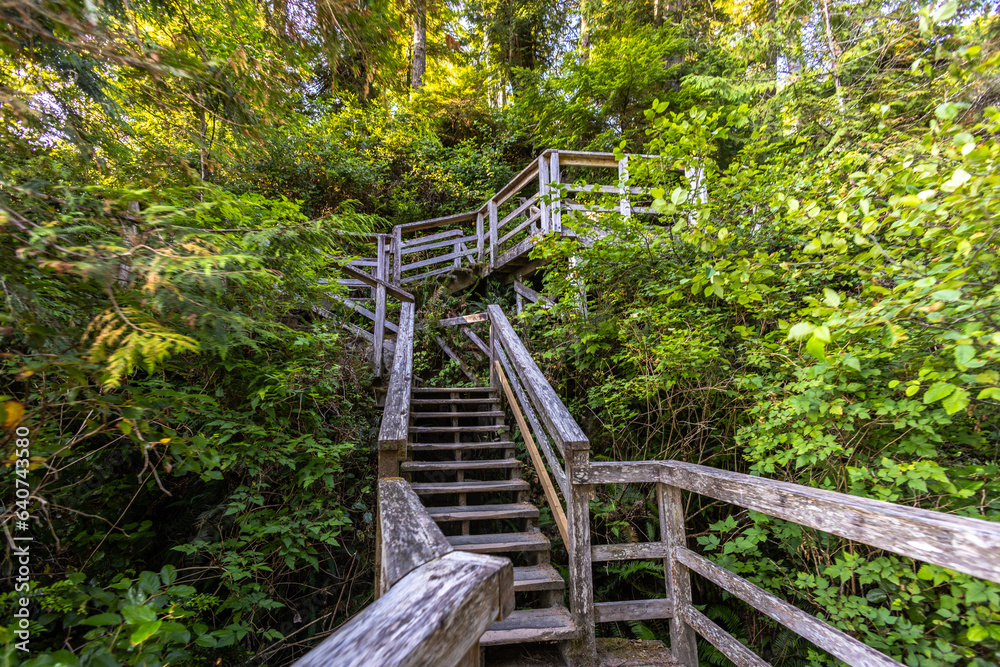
(678, 578)
(543, 191)
(381, 271)
(491, 207)
(479, 237)
(397, 255)
(581, 576)
(555, 208)
(626, 206)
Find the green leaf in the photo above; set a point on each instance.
(816, 348)
(136, 614)
(946, 11)
(103, 619)
(947, 295)
(963, 355)
(938, 391)
(977, 633)
(956, 401)
(144, 632)
(831, 298)
(800, 331)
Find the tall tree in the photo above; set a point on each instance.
(419, 67)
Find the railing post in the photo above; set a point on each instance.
(491, 208)
(479, 237)
(555, 208)
(626, 206)
(543, 190)
(678, 579)
(380, 273)
(397, 254)
(581, 575)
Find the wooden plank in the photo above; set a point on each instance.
(435, 260)
(602, 553)
(476, 340)
(531, 219)
(522, 248)
(554, 463)
(543, 190)
(564, 430)
(533, 296)
(517, 211)
(380, 274)
(594, 188)
(456, 598)
(633, 610)
(516, 184)
(372, 281)
(420, 225)
(828, 638)
(394, 431)
(428, 274)
(451, 355)
(720, 639)
(440, 244)
(462, 320)
(960, 543)
(350, 303)
(555, 215)
(432, 237)
(625, 204)
(491, 208)
(410, 536)
(397, 254)
(683, 640)
(558, 515)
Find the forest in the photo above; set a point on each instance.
(175, 178)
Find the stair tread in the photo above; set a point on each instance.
(531, 625)
(466, 415)
(499, 542)
(481, 464)
(453, 401)
(474, 512)
(537, 578)
(474, 486)
(490, 428)
(439, 446)
(448, 390)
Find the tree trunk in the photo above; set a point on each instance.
(419, 44)
(835, 52)
(584, 31)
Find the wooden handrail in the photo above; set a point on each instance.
(395, 427)
(564, 430)
(438, 603)
(959, 543)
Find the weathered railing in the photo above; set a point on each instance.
(546, 424)
(435, 602)
(959, 543)
(395, 429)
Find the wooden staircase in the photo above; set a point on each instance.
(461, 463)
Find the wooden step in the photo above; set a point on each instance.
(531, 625)
(499, 542)
(538, 578)
(449, 390)
(461, 415)
(475, 486)
(457, 429)
(452, 401)
(481, 464)
(484, 512)
(444, 446)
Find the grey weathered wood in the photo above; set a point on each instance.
(476, 340)
(828, 638)
(581, 575)
(564, 430)
(555, 208)
(533, 296)
(450, 240)
(479, 238)
(633, 610)
(421, 240)
(371, 281)
(381, 273)
(397, 254)
(516, 251)
(683, 642)
(461, 364)
(433, 616)
(436, 260)
(462, 320)
(528, 203)
(517, 183)
(626, 207)
(428, 274)
(540, 436)
(491, 209)
(603, 553)
(960, 543)
(394, 431)
(353, 305)
(532, 625)
(720, 639)
(543, 189)
(420, 225)
(531, 219)
(411, 537)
